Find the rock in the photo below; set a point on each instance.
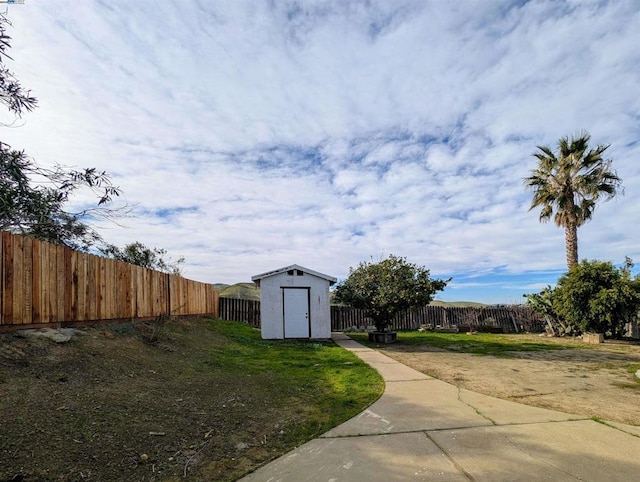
(241, 446)
(59, 335)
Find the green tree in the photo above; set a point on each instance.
(568, 185)
(595, 296)
(139, 254)
(386, 288)
(33, 200)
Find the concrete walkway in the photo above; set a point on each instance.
(425, 429)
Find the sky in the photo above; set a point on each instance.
(252, 135)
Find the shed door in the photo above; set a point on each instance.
(296, 312)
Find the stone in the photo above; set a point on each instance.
(59, 335)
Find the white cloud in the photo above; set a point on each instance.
(252, 134)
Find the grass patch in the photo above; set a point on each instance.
(633, 368)
(335, 383)
(479, 344)
(634, 383)
(207, 400)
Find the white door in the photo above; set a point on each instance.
(296, 312)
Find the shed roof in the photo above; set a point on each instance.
(258, 277)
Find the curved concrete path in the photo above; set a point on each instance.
(425, 429)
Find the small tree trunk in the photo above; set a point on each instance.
(571, 240)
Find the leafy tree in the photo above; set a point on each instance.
(568, 185)
(593, 296)
(138, 254)
(386, 288)
(33, 199)
(598, 297)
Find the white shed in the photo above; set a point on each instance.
(294, 303)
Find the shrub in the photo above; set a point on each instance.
(386, 288)
(594, 296)
(598, 297)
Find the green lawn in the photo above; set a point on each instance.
(478, 344)
(335, 383)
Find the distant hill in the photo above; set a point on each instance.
(243, 291)
(220, 286)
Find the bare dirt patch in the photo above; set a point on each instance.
(593, 381)
(108, 406)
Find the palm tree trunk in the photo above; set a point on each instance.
(571, 240)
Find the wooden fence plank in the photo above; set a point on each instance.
(37, 289)
(40, 289)
(50, 296)
(81, 269)
(2, 322)
(19, 279)
(8, 279)
(91, 311)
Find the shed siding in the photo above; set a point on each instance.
(271, 304)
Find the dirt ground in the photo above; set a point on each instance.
(108, 406)
(597, 381)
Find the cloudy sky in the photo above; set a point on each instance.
(250, 135)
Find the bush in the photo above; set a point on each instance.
(386, 288)
(594, 296)
(542, 303)
(598, 297)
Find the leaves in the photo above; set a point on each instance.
(12, 95)
(593, 296)
(567, 185)
(388, 287)
(33, 200)
(140, 255)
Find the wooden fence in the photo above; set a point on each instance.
(509, 319)
(43, 284)
(47, 284)
(247, 311)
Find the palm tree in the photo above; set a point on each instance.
(569, 184)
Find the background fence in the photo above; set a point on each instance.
(43, 283)
(508, 319)
(247, 311)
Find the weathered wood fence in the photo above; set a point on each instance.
(508, 319)
(247, 311)
(47, 284)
